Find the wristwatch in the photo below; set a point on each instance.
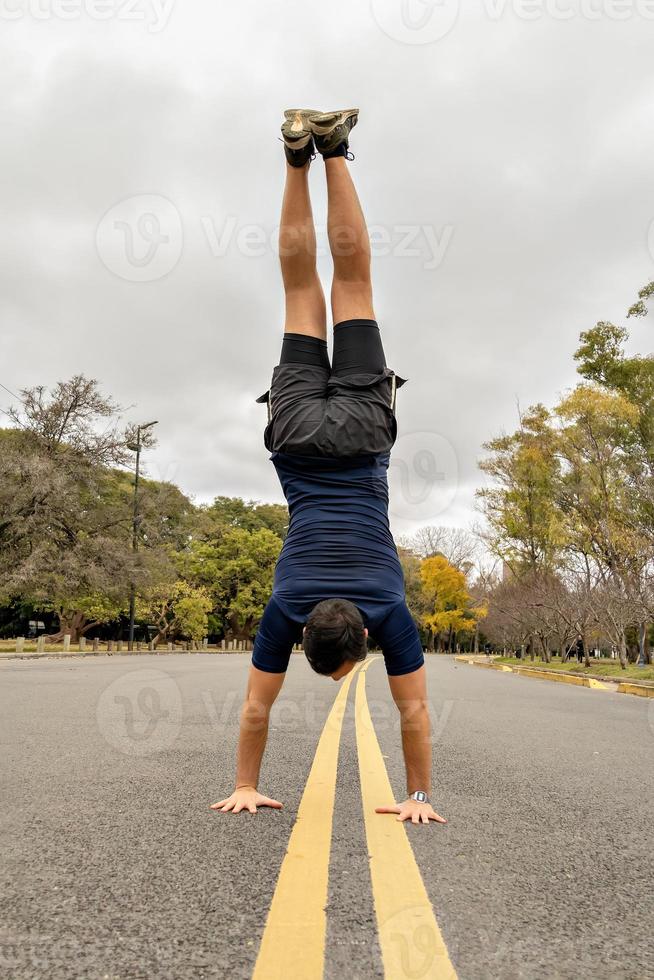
(419, 796)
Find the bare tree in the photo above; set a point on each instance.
(460, 547)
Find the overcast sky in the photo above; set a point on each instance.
(504, 158)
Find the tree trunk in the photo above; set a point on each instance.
(623, 650)
(75, 624)
(586, 652)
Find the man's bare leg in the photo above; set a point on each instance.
(350, 245)
(305, 300)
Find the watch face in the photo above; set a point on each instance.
(420, 797)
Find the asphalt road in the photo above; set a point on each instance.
(113, 866)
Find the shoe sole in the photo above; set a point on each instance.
(295, 138)
(299, 119)
(323, 123)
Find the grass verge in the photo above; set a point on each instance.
(598, 668)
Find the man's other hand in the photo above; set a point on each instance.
(245, 798)
(413, 811)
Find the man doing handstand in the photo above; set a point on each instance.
(330, 430)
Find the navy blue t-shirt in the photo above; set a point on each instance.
(339, 546)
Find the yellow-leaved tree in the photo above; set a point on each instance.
(450, 609)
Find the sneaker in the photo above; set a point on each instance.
(297, 137)
(331, 130)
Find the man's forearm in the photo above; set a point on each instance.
(410, 695)
(251, 742)
(416, 745)
(260, 696)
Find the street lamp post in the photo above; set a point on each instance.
(135, 447)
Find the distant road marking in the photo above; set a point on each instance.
(293, 943)
(411, 942)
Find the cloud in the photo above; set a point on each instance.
(530, 141)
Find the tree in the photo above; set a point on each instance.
(415, 597)
(456, 544)
(640, 308)
(176, 608)
(599, 498)
(66, 422)
(571, 511)
(66, 524)
(236, 567)
(449, 607)
(520, 510)
(226, 512)
(64, 536)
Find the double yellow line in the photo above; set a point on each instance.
(293, 943)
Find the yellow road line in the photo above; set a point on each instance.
(293, 943)
(410, 940)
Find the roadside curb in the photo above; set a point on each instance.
(624, 687)
(75, 655)
(606, 684)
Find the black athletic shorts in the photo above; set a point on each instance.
(343, 409)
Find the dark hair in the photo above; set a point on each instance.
(334, 633)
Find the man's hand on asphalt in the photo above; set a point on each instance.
(413, 811)
(245, 798)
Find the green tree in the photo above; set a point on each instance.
(226, 512)
(66, 509)
(599, 499)
(520, 509)
(236, 566)
(176, 608)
